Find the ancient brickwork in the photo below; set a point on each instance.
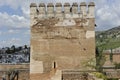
(13, 66)
(22, 74)
(76, 75)
(115, 59)
(62, 39)
(23, 70)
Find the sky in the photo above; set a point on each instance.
(15, 18)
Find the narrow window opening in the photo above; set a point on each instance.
(54, 64)
(71, 9)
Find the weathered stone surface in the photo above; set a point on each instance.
(62, 43)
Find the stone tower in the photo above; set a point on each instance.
(61, 39)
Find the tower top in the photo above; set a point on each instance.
(75, 4)
(91, 4)
(50, 5)
(60, 10)
(83, 4)
(58, 5)
(66, 4)
(41, 5)
(33, 5)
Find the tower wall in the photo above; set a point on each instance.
(65, 38)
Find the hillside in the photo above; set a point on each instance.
(108, 39)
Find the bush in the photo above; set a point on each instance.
(100, 75)
(112, 79)
(117, 65)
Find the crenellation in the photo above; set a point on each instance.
(83, 4)
(33, 5)
(33, 13)
(66, 4)
(70, 11)
(75, 10)
(67, 10)
(58, 8)
(91, 4)
(42, 10)
(50, 10)
(50, 5)
(58, 12)
(91, 10)
(42, 5)
(58, 5)
(33, 10)
(83, 9)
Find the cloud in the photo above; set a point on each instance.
(13, 21)
(16, 21)
(11, 3)
(0, 33)
(27, 32)
(26, 11)
(13, 41)
(10, 42)
(107, 15)
(13, 31)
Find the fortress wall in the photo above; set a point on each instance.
(66, 37)
(23, 74)
(70, 11)
(116, 57)
(13, 66)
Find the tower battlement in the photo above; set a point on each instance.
(60, 10)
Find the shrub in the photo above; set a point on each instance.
(117, 65)
(100, 75)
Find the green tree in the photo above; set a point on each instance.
(117, 65)
(111, 56)
(100, 59)
(13, 48)
(19, 48)
(25, 46)
(96, 63)
(8, 50)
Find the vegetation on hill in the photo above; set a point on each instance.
(108, 39)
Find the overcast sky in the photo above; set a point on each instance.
(15, 22)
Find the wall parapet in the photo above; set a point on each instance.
(62, 10)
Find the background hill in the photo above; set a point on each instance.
(108, 39)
